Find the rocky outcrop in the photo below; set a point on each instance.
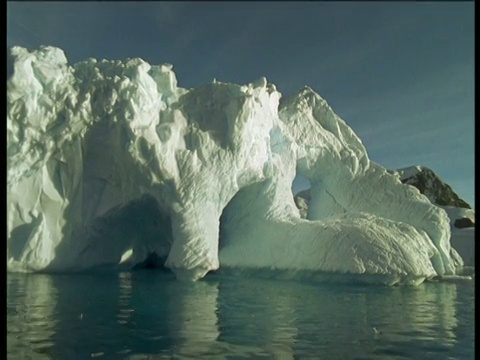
(430, 185)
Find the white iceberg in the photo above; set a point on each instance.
(110, 163)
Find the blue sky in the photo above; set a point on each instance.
(401, 74)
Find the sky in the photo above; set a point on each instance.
(401, 74)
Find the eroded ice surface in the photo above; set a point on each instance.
(111, 164)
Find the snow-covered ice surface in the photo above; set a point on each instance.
(462, 217)
(111, 164)
(408, 172)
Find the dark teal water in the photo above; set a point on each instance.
(148, 315)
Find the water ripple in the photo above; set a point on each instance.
(148, 315)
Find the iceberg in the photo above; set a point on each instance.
(110, 164)
(460, 213)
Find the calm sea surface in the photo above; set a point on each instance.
(148, 315)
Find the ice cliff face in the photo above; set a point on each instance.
(111, 164)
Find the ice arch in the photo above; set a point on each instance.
(85, 139)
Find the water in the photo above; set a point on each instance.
(147, 315)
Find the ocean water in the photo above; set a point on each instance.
(146, 314)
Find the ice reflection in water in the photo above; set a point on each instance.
(31, 320)
(125, 309)
(193, 319)
(146, 314)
